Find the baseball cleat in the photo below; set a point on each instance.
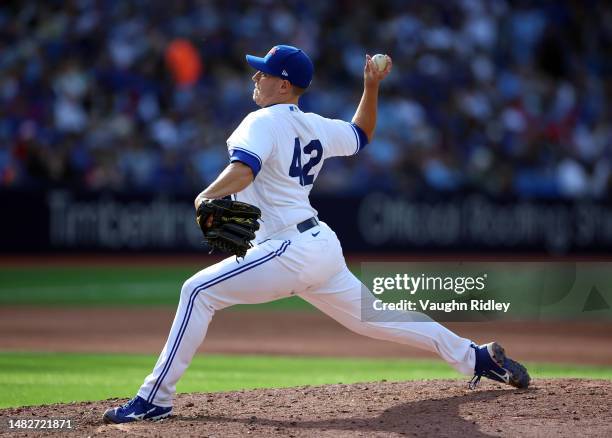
(492, 362)
(134, 410)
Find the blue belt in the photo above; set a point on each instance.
(307, 224)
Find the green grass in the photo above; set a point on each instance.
(106, 286)
(159, 285)
(44, 378)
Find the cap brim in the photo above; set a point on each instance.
(258, 64)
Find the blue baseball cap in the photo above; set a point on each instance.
(286, 62)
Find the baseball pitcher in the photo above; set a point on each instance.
(275, 156)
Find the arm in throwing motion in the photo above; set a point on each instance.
(365, 116)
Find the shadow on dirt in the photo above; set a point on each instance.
(437, 417)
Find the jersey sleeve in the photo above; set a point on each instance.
(343, 138)
(251, 143)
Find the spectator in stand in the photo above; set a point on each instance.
(498, 97)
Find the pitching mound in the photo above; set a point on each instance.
(568, 407)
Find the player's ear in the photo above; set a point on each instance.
(285, 86)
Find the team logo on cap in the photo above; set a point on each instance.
(284, 73)
(272, 51)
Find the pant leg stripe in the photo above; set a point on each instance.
(187, 316)
(202, 287)
(198, 289)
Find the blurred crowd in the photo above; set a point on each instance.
(507, 98)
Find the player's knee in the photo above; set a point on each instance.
(371, 329)
(363, 328)
(190, 286)
(197, 287)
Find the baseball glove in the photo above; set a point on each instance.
(228, 226)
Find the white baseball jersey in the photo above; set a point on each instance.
(285, 148)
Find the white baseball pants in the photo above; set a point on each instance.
(308, 264)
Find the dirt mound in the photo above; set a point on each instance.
(567, 407)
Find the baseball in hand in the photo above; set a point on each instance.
(380, 61)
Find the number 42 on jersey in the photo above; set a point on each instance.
(315, 150)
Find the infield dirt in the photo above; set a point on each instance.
(562, 408)
(102, 330)
(442, 408)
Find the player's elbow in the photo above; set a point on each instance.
(369, 131)
(243, 171)
(365, 133)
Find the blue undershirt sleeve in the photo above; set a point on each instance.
(246, 157)
(362, 137)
